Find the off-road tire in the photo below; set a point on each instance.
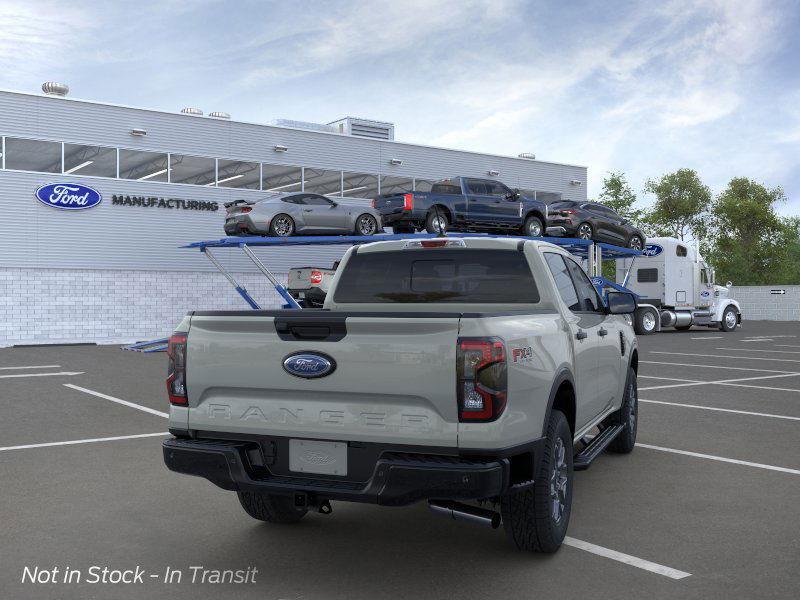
(270, 507)
(530, 227)
(628, 415)
(275, 219)
(528, 513)
(430, 225)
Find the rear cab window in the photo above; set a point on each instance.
(457, 276)
(447, 186)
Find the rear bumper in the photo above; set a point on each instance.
(398, 478)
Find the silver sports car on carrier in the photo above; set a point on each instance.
(286, 214)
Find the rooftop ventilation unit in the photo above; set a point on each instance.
(376, 130)
(219, 115)
(192, 111)
(527, 155)
(51, 88)
(303, 125)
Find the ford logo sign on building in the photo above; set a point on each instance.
(309, 365)
(68, 196)
(652, 250)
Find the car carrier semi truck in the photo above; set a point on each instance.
(676, 288)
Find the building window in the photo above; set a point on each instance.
(194, 170)
(144, 166)
(280, 178)
(97, 161)
(237, 174)
(320, 181)
(423, 185)
(359, 185)
(396, 185)
(33, 155)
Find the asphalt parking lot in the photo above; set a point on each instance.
(706, 507)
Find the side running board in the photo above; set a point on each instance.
(584, 458)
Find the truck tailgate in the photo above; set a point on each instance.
(393, 382)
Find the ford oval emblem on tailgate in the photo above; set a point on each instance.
(309, 365)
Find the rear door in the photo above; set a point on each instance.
(393, 376)
(584, 324)
(479, 202)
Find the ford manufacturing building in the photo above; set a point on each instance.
(115, 271)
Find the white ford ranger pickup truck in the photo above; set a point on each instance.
(472, 373)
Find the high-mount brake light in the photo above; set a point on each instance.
(436, 243)
(176, 372)
(408, 201)
(316, 277)
(481, 379)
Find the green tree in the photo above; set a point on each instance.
(681, 205)
(618, 195)
(749, 243)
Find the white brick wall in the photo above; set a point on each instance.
(47, 306)
(759, 304)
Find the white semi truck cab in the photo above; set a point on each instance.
(676, 288)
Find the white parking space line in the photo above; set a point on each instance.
(718, 382)
(17, 375)
(31, 367)
(657, 362)
(670, 379)
(786, 346)
(759, 340)
(708, 337)
(758, 387)
(152, 411)
(86, 441)
(724, 356)
(720, 459)
(633, 561)
(728, 410)
(758, 350)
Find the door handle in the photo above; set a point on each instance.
(308, 210)
(602, 332)
(581, 335)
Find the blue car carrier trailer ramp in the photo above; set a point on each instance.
(588, 250)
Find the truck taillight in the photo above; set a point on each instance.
(176, 372)
(408, 201)
(374, 200)
(481, 379)
(316, 277)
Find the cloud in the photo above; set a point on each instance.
(37, 37)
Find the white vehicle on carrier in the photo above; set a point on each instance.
(676, 288)
(440, 369)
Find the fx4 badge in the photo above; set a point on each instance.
(519, 355)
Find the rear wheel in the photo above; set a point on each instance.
(270, 507)
(281, 226)
(366, 225)
(584, 231)
(436, 222)
(635, 243)
(644, 321)
(533, 227)
(729, 319)
(536, 518)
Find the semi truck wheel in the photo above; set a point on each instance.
(628, 416)
(644, 321)
(270, 507)
(729, 320)
(536, 518)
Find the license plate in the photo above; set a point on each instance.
(323, 458)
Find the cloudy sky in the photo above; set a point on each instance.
(641, 87)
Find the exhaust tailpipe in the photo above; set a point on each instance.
(464, 512)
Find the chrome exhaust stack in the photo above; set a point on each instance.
(464, 512)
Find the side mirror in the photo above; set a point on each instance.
(729, 285)
(620, 303)
(334, 204)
